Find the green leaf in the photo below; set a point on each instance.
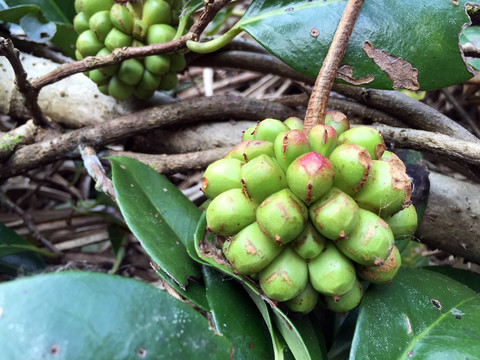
(49, 8)
(236, 317)
(421, 315)
(80, 315)
(14, 14)
(425, 34)
(466, 277)
(194, 292)
(36, 30)
(158, 214)
(17, 255)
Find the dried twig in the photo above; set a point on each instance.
(317, 106)
(95, 170)
(29, 223)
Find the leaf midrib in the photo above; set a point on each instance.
(421, 335)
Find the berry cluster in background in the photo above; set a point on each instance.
(309, 217)
(104, 25)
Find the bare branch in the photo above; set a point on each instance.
(184, 112)
(460, 151)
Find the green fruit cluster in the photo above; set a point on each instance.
(104, 25)
(311, 216)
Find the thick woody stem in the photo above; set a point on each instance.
(317, 106)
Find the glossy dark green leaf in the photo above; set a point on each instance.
(466, 277)
(236, 316)
(423, 33)
(342, 340)
(421, 315)
(80, 315)
(49, 8)
(17, 255)
(14, 14)
(158, 214)
(194, 292)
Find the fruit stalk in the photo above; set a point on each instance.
(317, 106)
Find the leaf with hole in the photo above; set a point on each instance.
(80, 315)
(422, 314)
(395, 43)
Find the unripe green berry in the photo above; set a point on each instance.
(249, 133)
(391, 157)
(289, 145)
(352, 164)
(177, 62)
(310, 176)
(323, 139)
(157, 12)
(294, 123)
(100, 24)
(346, 302)
(88, 44)
(119, 90)
(158, 64)
(108, 70)
(250, 149)
(169, 81)
(403, 223)
(121, 18)
(90, 7)
(331, 272)
(149, 81)
(139, 30)
(268, 129)
(220, 176)
(261, 177)
(370, 242)
(334, 215)
(117, 39)
(387, 189)
(160, 33)
(305, 301)
(385, 273)
(131, 71)
(98, 77)
(282, 216)
(338, 121)
(230, 212)
(366, 137)
(80, 23)
(285, 277)
(143, 94)
(250, 251)
(310, 243)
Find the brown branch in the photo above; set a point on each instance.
(118, 55)
(461, 111)
(460, 151)
(28, 91)
(317, 106)
(169, 164)
(412, 112)
(184, 112)
(95, 170)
